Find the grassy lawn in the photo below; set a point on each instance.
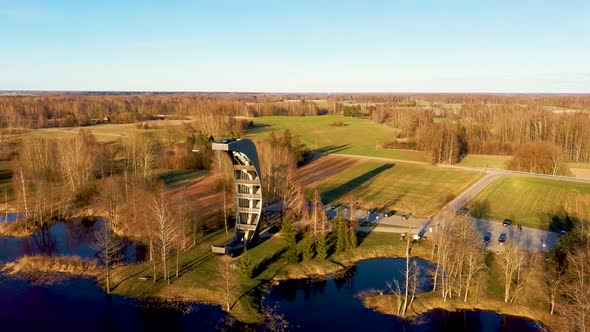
(483, 161)
(421, 190)
(532, 202)
(179, 179)
(357, 136)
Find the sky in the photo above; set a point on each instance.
(296, 46)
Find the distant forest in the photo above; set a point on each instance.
(550, 128)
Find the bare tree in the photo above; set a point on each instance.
(165, 229)
(577, 287)
(109, 252)
(515, 267)
(293, 196)
(553, 278)
(227, 278)
(110, 199)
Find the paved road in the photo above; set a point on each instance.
(472, 191)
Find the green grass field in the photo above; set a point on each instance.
(357, 136)
(533, 202)
(485, 161)
(421, 190)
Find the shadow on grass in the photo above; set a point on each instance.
(266, 262)
(332, 148)
(345, 188)
(561, 220)
(480, 209)
(257, 127)
(176, 179)
(366, 229)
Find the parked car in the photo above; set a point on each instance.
(463, 210)
(507, 222)
(389, 213)
(405, 216)
(502, 238)
(335, 205)
(228, 140)
(345, 207)
(487, 237)
(371, 211)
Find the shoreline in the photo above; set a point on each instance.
(244, 301)
(426, 302)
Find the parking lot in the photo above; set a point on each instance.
(525, 237)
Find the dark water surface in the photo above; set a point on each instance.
(333, 305)
(8, 218)
(79, 304)
(74, 237)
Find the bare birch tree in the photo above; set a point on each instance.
(109, 252)
(165, 229)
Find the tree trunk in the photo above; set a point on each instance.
(108, 280)
(151, 249)
(467, 288)
(177, 259)
(225, 211)
(165, 266)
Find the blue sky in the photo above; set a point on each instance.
(296, 46)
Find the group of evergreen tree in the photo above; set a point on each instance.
(317, 246)
(345, 234)
(290, 236)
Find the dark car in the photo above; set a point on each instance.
(507, 222)
(228, 140)
(335, 205)
(389, 213)
(405, 216)
(371, 211)
(487, 237)
(463, 210)
(502, 238)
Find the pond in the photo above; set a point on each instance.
(333, 304)
(75, 304)
(74, 237)
(79, 304)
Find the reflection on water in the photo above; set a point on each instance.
(333, 305)
(75, 237)
(80, 305)
(10, 217)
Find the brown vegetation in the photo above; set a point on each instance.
(446, 126)
(50, 264)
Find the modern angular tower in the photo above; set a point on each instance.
(246, 171)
